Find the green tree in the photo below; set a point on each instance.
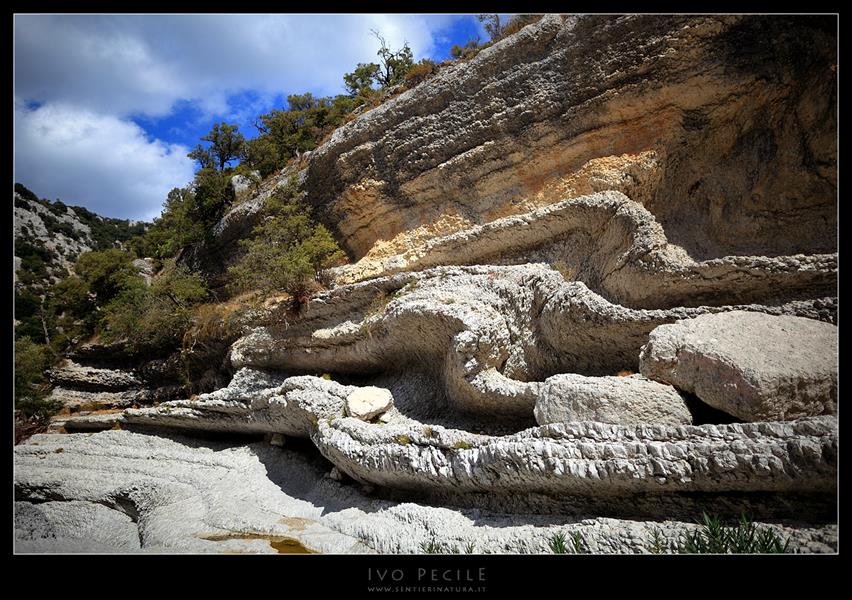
(491, 24)
(31, 360)
(287, 250)
(71, 312)
(226, 144)
(71, 296)
(176, 227)
(394, 65)
(106, 272)
(261, 154)
(153, 320)
(361, 79)
(212, 193)
(204, 157)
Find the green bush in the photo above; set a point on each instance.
(31, 387)
(153, 320)
(286, 251)
(557, 543)
(106, 272)
(23, 192)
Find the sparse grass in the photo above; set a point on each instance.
(428, 432)
(557, 543)
(377, 307)
(92, 406)
(326, 376)
(462, 445)
(434, 547)
(624, 373)
(449, 300)
(745, 538)
(658, 544)
(578, 543)
(403, 440)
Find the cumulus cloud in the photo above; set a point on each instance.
(124, 65)
(107, 164)
(89, 75)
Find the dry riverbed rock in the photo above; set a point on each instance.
(755, 366)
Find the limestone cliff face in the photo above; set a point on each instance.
(38, 227)
(722, 126)
(717, 124)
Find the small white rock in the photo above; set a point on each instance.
(368, 402)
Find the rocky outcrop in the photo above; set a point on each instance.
(103, 493)
(622, 400)
(146, 269)
(56, 234)
(754, 366)
(617, 248)
(188, 507)
(584, 458)
(530, 115)
(71, 374)
(591, 196)
(81, 387)
(651, 107)
(486, 336)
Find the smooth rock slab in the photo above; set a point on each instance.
(755, 366)
(618, 400)
(368, 402)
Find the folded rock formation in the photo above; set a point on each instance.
(592, 196)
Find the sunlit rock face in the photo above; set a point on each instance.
(593, 292)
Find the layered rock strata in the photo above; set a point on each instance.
(486, 334)
(118, 491)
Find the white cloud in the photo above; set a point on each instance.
(90, 74)
(100, 161)
(125, 65)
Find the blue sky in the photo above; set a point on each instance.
(107, 106)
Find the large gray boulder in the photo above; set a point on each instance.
(755, 366)
(619, 400)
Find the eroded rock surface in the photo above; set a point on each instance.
(570, 398)
(754, 366)
(120, 491)
(486, 335)
(522, 226)
(527, 117)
